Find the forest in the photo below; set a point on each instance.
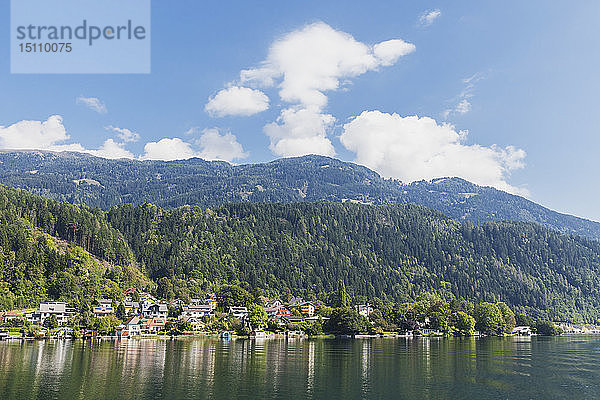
(56, 251)
(98, 182)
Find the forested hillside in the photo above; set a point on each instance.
(390, 252)
(56, 251)
(97, 182)
(51, 250)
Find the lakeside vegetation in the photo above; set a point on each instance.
(428, 315)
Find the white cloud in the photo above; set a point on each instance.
(111, 149)
(215, 146)
(124, 134)
(463, 100)
(51, 135)
(33, 134)
(310, 61)
(429, 17)
(306, 64)
(300, 131)
(412, 148)
(237, 100)
(168, 149)
(388, 52)
(93, 103)
(463, 107)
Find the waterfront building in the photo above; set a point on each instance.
(364, 309)
(103, 308)
(156, 311)
(57, 308)
(238, 312)
(306, 308)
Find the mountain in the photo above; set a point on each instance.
(390, 252)
(57, 251)
(83, 179)
(52, 250)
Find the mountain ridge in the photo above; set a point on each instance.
(84, 179)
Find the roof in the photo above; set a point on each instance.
(201, 307)
(135, 320)
(276, 308)
(302, 304)
(238, 309)
(161, 307)
(294, 318)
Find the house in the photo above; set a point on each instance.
(129, 291)
(103, 308)
(293, 319)
(120, 331)
(176, 303)
(8, 315)
(57, 308)
(157, 324)
(156, 311)
(133, 326)
(364, 309)
(238, 312)
(276, 313)
(198, 311)
(315, 318)
(272, 303)
(196, 323)
(131, 307)
(151, 325)
(521, 331)
(306, 308)
(212, 303)
(147, 299)
(64, 331)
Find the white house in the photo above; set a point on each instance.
(199, 311)
(306, 308)
(103, 308)
(56, 308)
(133, 326)
(156, 311)
(364, 309)
(238, 312)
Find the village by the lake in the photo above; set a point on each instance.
(141, 315)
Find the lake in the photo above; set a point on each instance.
(386, 368)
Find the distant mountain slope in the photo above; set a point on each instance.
(84, 179)
(391, 252)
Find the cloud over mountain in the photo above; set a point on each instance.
(413, 148)
(304, 65)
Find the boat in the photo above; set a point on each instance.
(259, 335)
(295, 334)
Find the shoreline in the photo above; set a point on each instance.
(277, 336)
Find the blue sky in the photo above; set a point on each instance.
(521, 79)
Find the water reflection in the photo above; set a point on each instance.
(302, 369)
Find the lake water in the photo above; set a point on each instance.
(400, 368)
